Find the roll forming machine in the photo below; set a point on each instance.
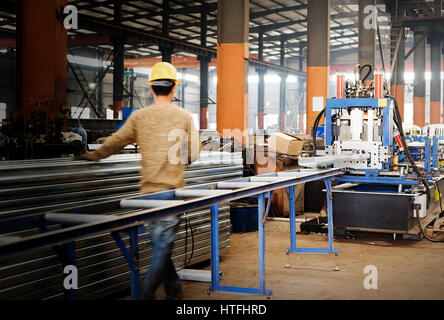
(391, 183)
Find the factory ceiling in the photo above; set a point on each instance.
(277, 20)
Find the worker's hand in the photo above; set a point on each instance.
(90, 156)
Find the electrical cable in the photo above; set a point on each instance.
(315, 129)
(188, 225)
(439, 195)
(380, 52)
(423, 232)
(186, 242)
(398, 122)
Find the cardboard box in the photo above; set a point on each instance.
(285, 143)
(308, 141)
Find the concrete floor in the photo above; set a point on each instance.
(407, 269)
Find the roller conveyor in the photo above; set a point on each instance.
(201, 196)
(28, 275)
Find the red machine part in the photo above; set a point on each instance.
(378, 85)
(340, 87)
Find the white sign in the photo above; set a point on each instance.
(318, 104)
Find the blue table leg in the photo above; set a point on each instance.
(215, 286)
(292, 219)
(330, 216)
(293, 248)
(135, 268)
(261, 229)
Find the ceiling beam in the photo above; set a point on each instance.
(133, 34)
(263, 13)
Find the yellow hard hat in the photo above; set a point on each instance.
(163, 71)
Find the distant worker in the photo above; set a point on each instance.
(168, 141)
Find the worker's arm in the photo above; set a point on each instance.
(114, 143)
(194, 144)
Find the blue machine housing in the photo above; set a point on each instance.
(375, 103)
(394, 194)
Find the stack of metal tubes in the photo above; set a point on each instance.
(35, 187)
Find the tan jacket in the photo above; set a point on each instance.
(162, 133)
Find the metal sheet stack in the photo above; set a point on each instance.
(33, 187)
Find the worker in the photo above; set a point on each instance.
(167, 140)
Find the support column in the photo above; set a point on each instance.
(118, 67)
(182, 91)
(398, 81)
(100, 108)
(132, 79)
(435, 82)
(41, 59)
(261, 84)
(282, 91)
(261, 99)
(232, 67)
(166, 52)
(367, 36)
(204, 61)
(318, 58)
(419, 64)
(301, 56)
(301, 87)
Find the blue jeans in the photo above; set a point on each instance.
(162, 233)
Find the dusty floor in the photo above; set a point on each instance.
(406, 269)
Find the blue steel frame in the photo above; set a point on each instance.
(431, 155)
(215, 283)
(375, 103)
(293, 248)
(371, 176)
(132, 257)
(427, 155)
(435, 160)
(132, 222)
(367, 179)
